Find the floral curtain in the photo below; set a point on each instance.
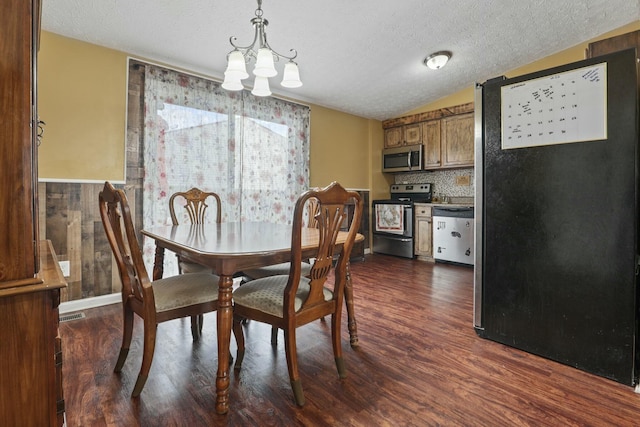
(253, 152)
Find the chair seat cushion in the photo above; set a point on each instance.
(267, 294)
(184, 290)
(275, 270)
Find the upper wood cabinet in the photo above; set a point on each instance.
(431, 141)
(447, 135)
(402, 135)
(457, 140)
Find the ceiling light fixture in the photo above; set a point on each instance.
(264, 56)
(437, 60)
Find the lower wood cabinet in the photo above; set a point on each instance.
(423, 232)
(30, 348)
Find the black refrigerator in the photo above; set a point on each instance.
(557, 214)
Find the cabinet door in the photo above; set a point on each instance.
(19, 235)
(393, 137)
(431, 142)
(424, 239)
(457, 140)
(412, 134)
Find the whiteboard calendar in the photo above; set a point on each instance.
(557, 109)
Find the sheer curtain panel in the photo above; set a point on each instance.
(253, 152)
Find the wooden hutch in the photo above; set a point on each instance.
(30, 277)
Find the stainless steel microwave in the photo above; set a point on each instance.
(402, 159)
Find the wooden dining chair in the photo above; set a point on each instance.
(155, 302)
(194, 202)
(292, 300)
(283, 268)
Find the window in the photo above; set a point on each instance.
(253, 152)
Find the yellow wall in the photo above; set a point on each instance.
(573, 54)
(339, 148)
(82, 92)
(82, 99)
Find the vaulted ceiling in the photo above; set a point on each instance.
(363, 57)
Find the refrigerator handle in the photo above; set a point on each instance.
(478, 207)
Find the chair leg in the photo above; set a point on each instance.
(274, 335)
(147, 356)
(196, 327)
(337, 346)
(239, 336)
(127, 332)
(292, 364)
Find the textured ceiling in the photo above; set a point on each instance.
(362, 57)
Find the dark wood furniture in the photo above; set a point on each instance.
(290, 301)
(194, 202)
(283, 268)
(231, 247)
(30, 280)
(30, 347)
(155, 302)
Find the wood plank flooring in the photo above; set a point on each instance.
(420, 363)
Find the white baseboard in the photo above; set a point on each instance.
(85, 303)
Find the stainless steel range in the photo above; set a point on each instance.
(393, 232)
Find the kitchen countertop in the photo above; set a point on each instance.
(456, 202)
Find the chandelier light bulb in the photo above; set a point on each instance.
(291, 75)
(264, 63)
(231, 82)
(261, 86)
(236, 65)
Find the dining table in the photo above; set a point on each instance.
(229, 248)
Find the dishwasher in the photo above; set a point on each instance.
(453, 238)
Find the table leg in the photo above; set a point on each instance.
(158, 263)
(351, 315)
(225, 320)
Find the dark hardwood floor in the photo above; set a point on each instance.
(420, 363)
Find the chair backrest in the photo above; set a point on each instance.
(118, 225)
(331, 211)
(195, 204)
(312, 210)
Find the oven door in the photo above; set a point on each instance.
(393, 217)
(393, 228)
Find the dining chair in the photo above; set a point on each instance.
(283, 268)
(292, 300)
(154, 302)
(194, 202)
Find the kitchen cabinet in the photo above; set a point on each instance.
(402, 135)
(423, 232)
(447, 136)
(30, 278)
(431, 144)
(615, 44)
(457, 140)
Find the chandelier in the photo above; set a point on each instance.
(260, 51)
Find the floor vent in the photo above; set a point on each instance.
(69, 317)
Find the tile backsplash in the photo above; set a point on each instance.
(444, 181)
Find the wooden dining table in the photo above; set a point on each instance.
(229, 248)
